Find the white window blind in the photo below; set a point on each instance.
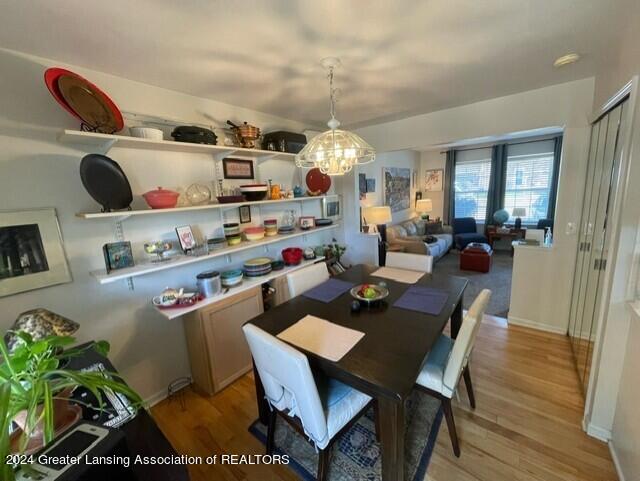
(528, 179)
(472, 176)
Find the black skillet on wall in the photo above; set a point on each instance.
(105, 181)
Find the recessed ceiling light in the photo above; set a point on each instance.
(566, 60)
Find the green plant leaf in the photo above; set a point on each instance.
(6, 470)
(47, 410)
(102, 348)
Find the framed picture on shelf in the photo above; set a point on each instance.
(307, 222)
(237, 168)
(332, 207)
(117, 255)
(186, 238)
(433, 180)
(31, 252)
(245, 213)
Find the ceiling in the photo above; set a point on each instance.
(399, 57)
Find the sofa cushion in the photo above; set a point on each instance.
(410, 227)
(396, 231)
(432, 228)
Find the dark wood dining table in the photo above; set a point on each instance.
(386, 362)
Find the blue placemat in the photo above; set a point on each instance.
(423, 299)
(328, 290)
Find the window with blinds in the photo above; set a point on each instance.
(472, 176)
(528, 179)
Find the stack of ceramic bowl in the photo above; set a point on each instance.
(277, 265)
(254, 192)
(231, 278)
(260, 266)
(232, 233)
(321, 222)
(216, 243)
(270, 227)
(286, 229)
(254, 233)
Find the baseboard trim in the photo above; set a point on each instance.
(597, 432)
(616, 462)
(518, 321)
(156, 398)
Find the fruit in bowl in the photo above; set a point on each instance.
(369, 292)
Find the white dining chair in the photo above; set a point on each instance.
(449, 359)
(304, 279)
(412, 262)
(321, 410)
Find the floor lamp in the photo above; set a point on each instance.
(379, 216)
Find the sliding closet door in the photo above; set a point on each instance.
(602, 237)
(594, 174)
(601, 183)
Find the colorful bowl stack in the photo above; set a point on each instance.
(254, 233)
(216, 243)
(232, 233)
(271, 227)
(231, 278)
(260, 266)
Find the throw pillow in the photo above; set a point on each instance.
(433, 228)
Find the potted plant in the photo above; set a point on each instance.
(35, 390)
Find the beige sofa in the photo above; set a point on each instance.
(410, 235)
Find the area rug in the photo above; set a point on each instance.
(356, 455)
(498, 279)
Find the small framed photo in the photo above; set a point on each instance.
(117, 255)
(433, 180)
(237, 168)
(186, 238)
(245, 213)
(307, 222)
(331, 207)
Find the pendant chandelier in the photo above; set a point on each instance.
(335, 151)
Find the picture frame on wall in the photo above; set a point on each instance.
(186, 238)
(117, 255)
(332, 207)
(397, 188)
(244, 212)
(32, 254)
(433, 180)
(237, 168)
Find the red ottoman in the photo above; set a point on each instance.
(476, 257)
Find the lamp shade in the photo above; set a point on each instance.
(519, 212)
(377, 215)
(424, 205)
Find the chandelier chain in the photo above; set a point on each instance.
(332, 93)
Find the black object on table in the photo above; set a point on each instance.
(143, 436)
(386, 362)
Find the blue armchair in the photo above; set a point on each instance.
(465, 232)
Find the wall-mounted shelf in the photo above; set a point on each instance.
(182, 260)
(105, 142)
(247, 283)
(129, 213)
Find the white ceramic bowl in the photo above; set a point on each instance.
(146, 133)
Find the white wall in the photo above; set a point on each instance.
(612, 399)
(37, 171)
(565, 105)
(362, 248)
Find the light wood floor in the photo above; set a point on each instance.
(526, 426)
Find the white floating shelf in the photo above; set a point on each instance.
(105, 142)
(247, 283)
(129, 213)
(182, 260)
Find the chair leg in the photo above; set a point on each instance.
(323, 463)
(448, 414)
(467, 382)
(376, 415)
(271, 430)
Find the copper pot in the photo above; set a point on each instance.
(246, 134)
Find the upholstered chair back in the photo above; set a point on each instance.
(304, 279)
(412, 262)
(288, 381)
(464, 342)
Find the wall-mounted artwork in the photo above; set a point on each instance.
(433, 180)
(237, 168)
(362, 186)
(397, 187)
(31, 251)
(371, 185)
